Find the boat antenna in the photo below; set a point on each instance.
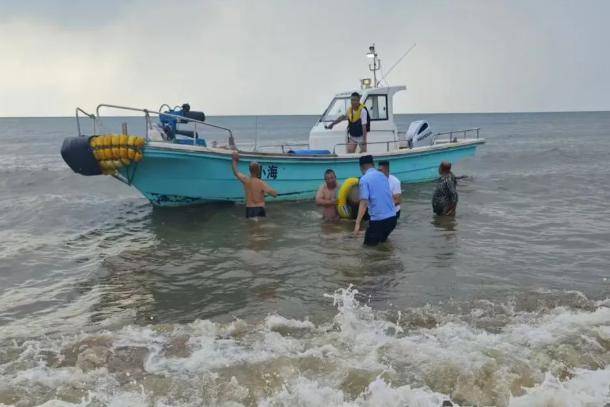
(397, 62)
(375, 65)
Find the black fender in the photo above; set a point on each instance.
(78, 154)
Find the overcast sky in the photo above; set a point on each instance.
(289, 57)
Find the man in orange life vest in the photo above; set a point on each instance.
(358, 124)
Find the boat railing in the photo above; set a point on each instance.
(147, 116)
(454, 135)
(148, 112)
(283, 147)
(89, 116)
(387, 143)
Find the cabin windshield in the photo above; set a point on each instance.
(338, 107)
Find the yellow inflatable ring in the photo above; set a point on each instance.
(344, 209)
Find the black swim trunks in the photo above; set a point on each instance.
(255, 212)
(379, 230)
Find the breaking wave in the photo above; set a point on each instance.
(541, 352)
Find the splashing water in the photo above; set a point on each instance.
(557, 357)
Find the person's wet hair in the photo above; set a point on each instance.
(384, 163)
(355, 95)
(445, 167)
(329, 171)
(255, 169)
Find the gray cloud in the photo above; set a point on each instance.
(277, 57)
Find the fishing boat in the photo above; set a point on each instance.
(174, 163)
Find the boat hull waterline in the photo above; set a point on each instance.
(171, 175)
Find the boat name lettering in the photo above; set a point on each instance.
(270, 171)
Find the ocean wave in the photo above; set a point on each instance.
(550, 354)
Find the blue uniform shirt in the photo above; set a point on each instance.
(375, 188)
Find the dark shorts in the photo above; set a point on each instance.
(397, 215)
(255, 212)
(379, 230)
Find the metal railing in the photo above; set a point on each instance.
(147, 112)
(283, 147)
(293, 145)
(453, 135)
(387, 143)
(89, 116)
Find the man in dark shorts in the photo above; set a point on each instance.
(255, 189)
(375, 195)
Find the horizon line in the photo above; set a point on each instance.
(318, 114)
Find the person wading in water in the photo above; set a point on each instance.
(445, 197)
(327, 196)
(395, 187)
(255, 189)
(358, 124)
(375, 195)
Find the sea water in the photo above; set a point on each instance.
(105, 300)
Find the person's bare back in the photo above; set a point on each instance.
(255, 189)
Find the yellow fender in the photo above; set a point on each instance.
(345, 211)
(113, 151)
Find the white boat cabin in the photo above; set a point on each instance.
(383, 135)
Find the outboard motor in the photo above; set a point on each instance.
(419, 134)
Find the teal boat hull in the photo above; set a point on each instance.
(172, 175)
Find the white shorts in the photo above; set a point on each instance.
(357, 140)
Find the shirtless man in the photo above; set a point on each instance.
(255, 189)
(327, 196)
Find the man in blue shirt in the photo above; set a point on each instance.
(375, 195)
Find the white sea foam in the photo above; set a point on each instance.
(275, 321)
(586, 388)
(548, 357)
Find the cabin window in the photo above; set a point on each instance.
(338, 107)
(377, 105)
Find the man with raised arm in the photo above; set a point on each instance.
(358, 124)
(375, 195)
(255, 189)
(326, 197)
